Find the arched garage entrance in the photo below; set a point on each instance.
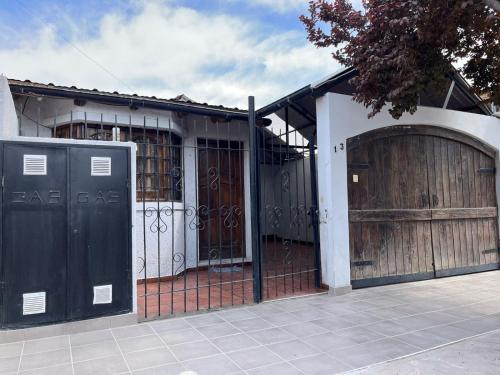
(422, 204)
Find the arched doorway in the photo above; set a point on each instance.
(422, 204)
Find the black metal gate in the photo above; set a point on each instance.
(198, 225)
(288, 211)
(201, 241)
(65, 233)
(193, 252)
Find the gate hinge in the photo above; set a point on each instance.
(491, 251)
(362, 263)
(488, 170)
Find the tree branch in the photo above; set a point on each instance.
(494, 4)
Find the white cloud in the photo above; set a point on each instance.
(164, 50)
(282, 5)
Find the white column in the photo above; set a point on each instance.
(333, 199)
(9, 126)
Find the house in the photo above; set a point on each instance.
(229, 206)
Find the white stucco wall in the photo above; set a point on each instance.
(52, 112)
(8, 118)
(340, 118)
(291, 224)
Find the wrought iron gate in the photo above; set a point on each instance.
(197, 243)
(191, 216)
(193, 219)
(288, 212)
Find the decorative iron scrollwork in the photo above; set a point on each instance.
(158, 224)
(288, 258)
(298, 214)
(196, 221)
(274, 214)
(213, 178)
(214, 254)
(141, 265)
(176, 174)
(231, 215)
(285, 180)
(178, 258)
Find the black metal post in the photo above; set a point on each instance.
(255, 202)
(315, 213)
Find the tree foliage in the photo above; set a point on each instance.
(402, 47)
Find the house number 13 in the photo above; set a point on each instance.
(341, 147)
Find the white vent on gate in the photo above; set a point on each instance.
(101, 166)
(34, 303)
(103, 294)
(35, 165)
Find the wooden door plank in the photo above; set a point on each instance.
(403, 170)
(489, 241)
(491, 194)
(371, 271)
(407, 247)
(392, 248)
(438, 170)
(449, 201)
(382, 215)
(436, 239)
(494, 246)
(377, 155)
(366, 271)
(375, 240)
(448, 179)
(431, 172)
(463, 213)
(456, 198)
(385, 236)
(390, 165)
(395, 174)
(422, 178)
(465, 154)
(423, 199)
(420, 247)
(373, 178)
(445, 234)
(479, 203)
(398, 247)
(434, 160)
(472, 200)
(484, 203)
(427, 243)
(352, 237)
(461, 203)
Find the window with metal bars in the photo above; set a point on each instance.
(158, 162)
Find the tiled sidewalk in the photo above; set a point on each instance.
(316, 335)
(478, 355)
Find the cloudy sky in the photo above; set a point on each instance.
(216, 51)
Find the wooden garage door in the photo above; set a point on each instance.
(422, 203)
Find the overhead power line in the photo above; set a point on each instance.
(79, 50)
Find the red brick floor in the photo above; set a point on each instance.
(288, 270)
